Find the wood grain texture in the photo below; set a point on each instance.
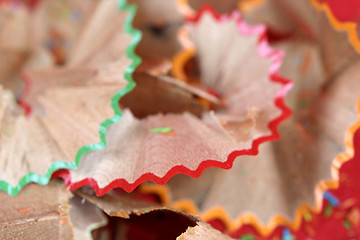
(101, 42)
(56, 27)
(73, 114)
(152, 96)
(202, 231)
(67, 119)
(40, 211)
(85, 217)
(68, 104)
(238, 74)
(243, 118)
(285, 172)
(119, 204)
(299, 20)
(135, 216)
(20, 141)
(38, 81)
